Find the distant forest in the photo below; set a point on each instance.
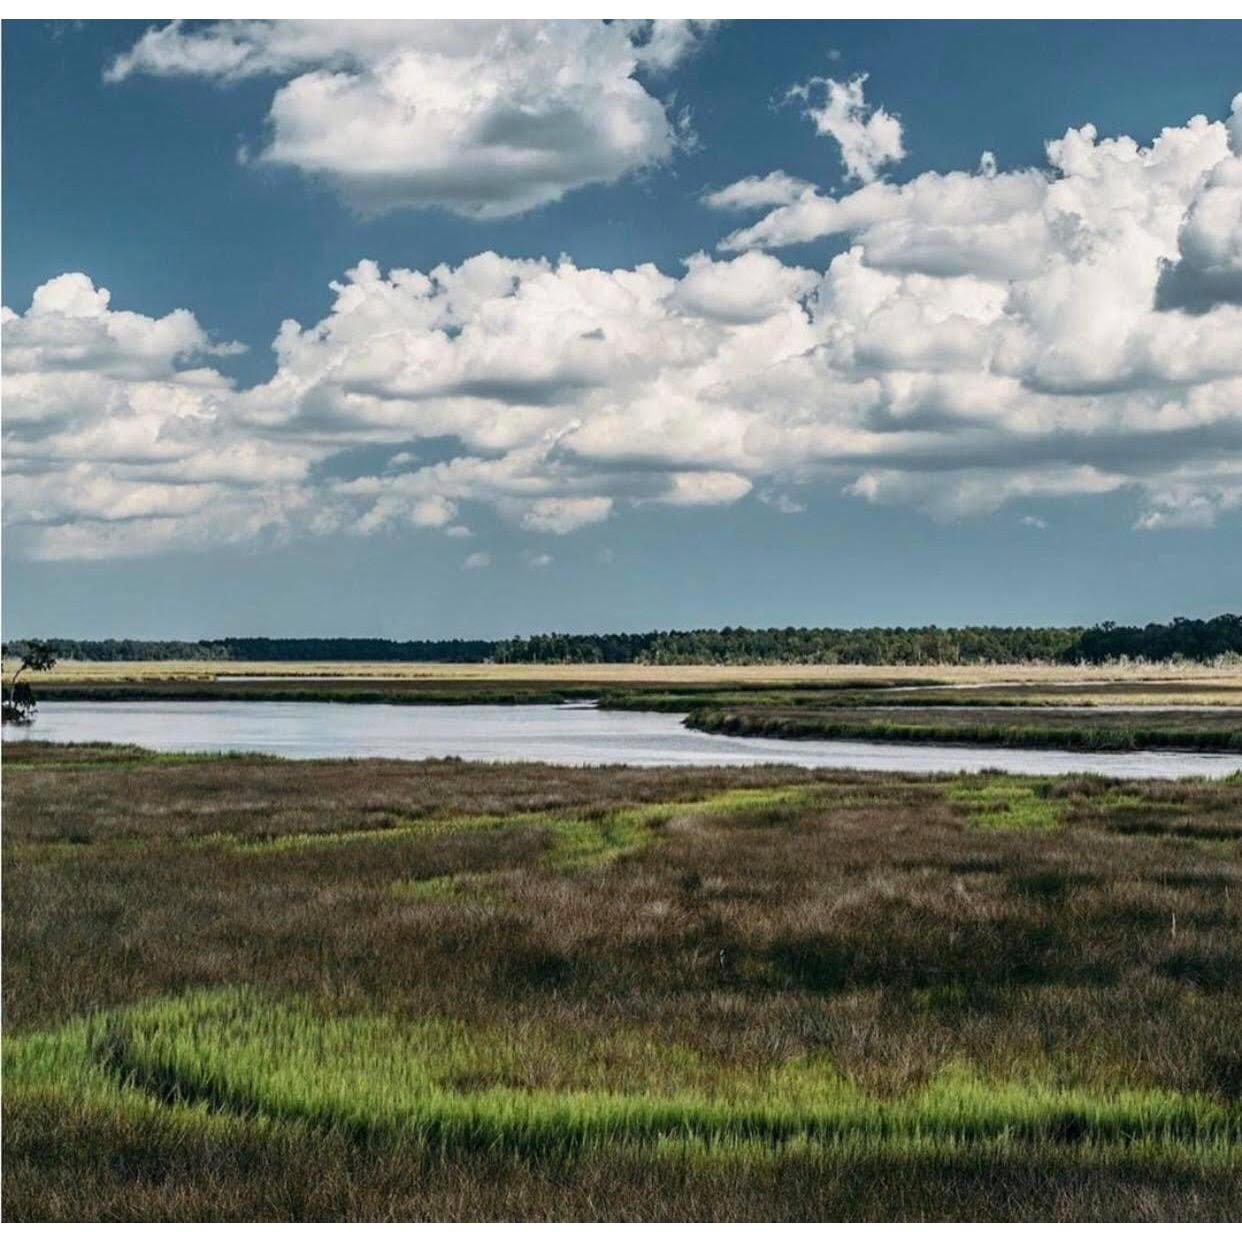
(982, 644)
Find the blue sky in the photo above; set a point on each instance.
(1013, 397)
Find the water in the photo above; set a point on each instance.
(578, 735)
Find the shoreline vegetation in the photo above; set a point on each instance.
(677, 993)
(1164, 730)
(1167, 708)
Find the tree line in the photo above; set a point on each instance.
(1181, 638)
(439, 651)
(796, 645)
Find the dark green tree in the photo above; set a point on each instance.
(19, 701)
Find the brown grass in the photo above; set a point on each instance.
(1079, 930)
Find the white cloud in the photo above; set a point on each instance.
(1035, 523)
(477, 560)
(960, 493)
(484, 118)
(538, 560)
(115, 438)
(749, 289)
(434, 511)
(1194, 497)
(662, 44)
(706, 487)
(1208, 267)
(868, 137)
(775, 189)
(781, 502)
(559, 515)
(1189, 513)
(69, 326)
(986, 339)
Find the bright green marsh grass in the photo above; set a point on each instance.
(575, 840)
(433, 888)
(1005, 806)
(401, 830)
(451, 1086)
(467, 889)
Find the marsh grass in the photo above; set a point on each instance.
(1006, 806)
(450, 1086)
(594, 839)
(832, 718)
(616, 994)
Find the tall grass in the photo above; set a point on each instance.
(1006, 806)
(1063, 733)
(455, 991)
(575, 841)
(449, 1086)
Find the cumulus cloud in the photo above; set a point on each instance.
(483, 118)
(112, 425)
(69, 326)
(986, 338)
(750, 289)
(477, 560)
(868, 137)
(1208, 267)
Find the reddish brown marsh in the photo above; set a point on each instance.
(246, 988)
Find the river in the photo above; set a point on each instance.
(574, 734)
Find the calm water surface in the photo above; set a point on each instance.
(542, 733)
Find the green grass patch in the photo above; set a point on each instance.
(26, 755)
(430, 888)
(466, 888)
(577, 839)
(453, 1087)
(1005, 806)
(597, 840)
(401, 829)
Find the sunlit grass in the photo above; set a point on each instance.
(448, 1085)
(1005, 806)
(587, 839)
(468, 889)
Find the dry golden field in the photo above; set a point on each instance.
(1131, 686)
(1227, 679)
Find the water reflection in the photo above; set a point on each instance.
(578, 735)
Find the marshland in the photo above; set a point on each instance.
(1090, 708)
(621, 620)
(245, 988)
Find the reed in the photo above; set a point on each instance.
(254, 989)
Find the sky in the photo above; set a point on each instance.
(429, 329)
